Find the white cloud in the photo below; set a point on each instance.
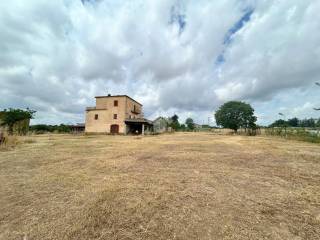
(57, 55)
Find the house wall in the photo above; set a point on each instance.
(130, 107)
(105, 109)
(160, 125)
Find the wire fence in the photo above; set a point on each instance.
(300, 133)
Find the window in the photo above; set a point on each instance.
(115, 103)
(96, 116)
(115, 116)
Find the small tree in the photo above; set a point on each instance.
(182, 127)
(190, 123)
(13, 116)
(174, 122)
(235, 114)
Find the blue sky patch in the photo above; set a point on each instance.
(235, 28)
(238, 25)
(176, 17)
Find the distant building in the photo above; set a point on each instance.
(116, 114)
(160, 125)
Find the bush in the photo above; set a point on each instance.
(16, 120)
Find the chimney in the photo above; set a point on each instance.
(109, 95)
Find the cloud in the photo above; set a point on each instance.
(277, 50)
(176, 56)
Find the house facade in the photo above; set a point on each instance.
(160, 125)
(115, 114)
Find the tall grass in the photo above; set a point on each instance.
(9, 142)
(12, 141)
(301, 134)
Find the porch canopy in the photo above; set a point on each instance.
(138, 125)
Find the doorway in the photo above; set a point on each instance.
(114, 128)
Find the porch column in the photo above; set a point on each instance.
(142, 128)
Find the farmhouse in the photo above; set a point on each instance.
(116, 114)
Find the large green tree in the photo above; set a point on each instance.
(12, 116)
(235, 115)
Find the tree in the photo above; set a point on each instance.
(308, 122)
(279, 123)
(190, 123)
(13, 116)
(174, 122)
(293, 122)
(235, 114)
(182, 127)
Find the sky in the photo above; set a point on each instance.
(179, 57)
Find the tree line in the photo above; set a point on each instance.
(17, 121)
(174, 123)
(43, 128)
(295, 122)
(233, 115)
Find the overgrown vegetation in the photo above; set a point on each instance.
(298, 129)
(295, 122)
(301, 134)
(16, 119)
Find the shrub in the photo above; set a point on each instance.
(301, 134)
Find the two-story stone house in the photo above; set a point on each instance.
(116, 114)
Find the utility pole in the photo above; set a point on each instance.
(317, 109)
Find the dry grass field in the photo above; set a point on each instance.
(177, 186)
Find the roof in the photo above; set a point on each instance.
(108, 96)
(138, 120)
(158, 118)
